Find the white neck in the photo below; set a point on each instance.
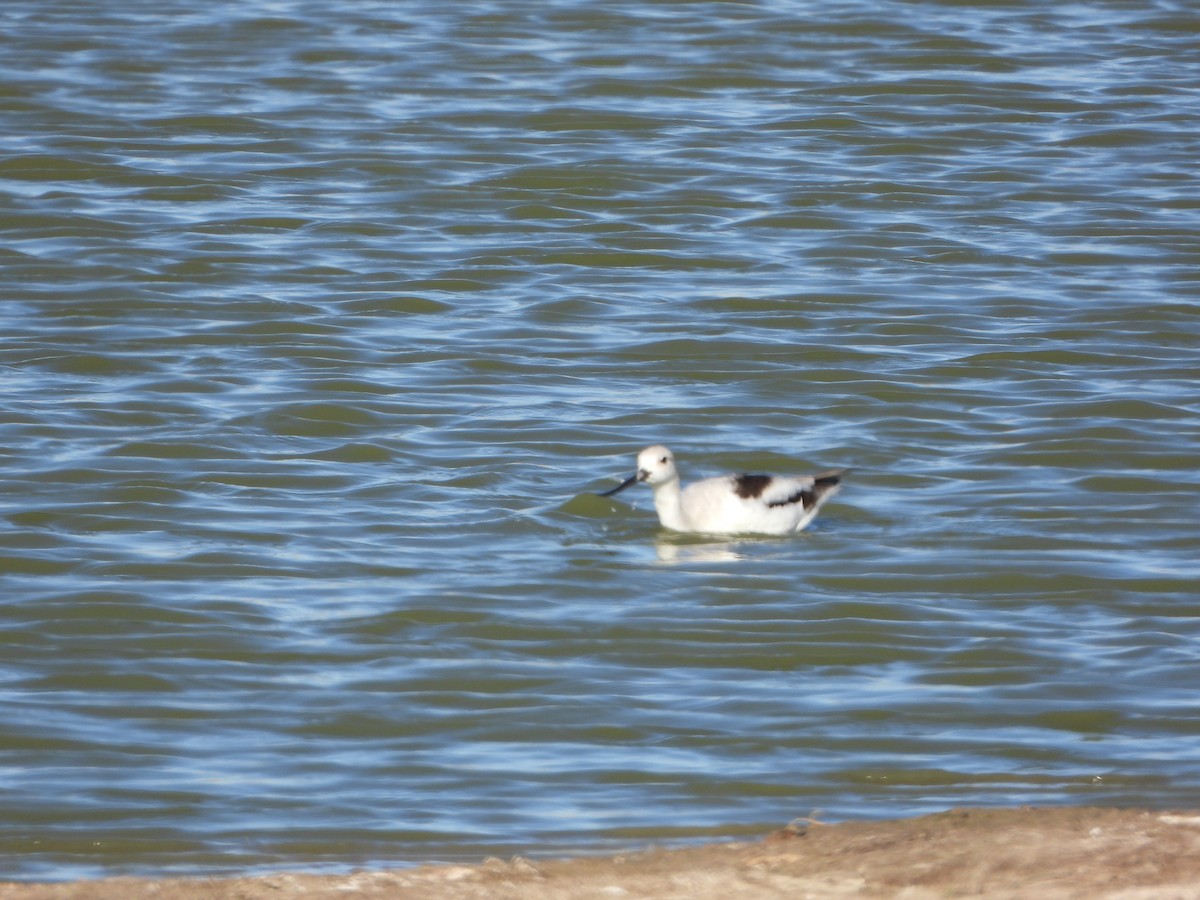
(668, 503)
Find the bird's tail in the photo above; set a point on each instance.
(826, 484)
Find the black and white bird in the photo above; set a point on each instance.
(730, 504)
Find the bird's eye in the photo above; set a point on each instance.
(663, 460)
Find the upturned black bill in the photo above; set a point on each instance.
(631, 480)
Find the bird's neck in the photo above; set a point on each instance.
(668, 502)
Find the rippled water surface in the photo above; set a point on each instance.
(323, 322)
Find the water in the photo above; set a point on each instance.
(322, 321)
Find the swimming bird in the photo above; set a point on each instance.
(730, 504)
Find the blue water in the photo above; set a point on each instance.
(323, 324)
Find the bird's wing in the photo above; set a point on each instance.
(787, 491)
(809, 491)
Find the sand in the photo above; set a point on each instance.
(996, 853)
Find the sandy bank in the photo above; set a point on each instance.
(1010, 853)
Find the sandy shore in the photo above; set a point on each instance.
(1000, 853)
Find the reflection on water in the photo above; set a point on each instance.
(716, 551)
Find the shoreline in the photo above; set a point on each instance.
(1047, 852)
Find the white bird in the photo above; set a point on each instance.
(730, 504)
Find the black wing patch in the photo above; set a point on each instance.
(750, 486)
(810, 497)
(807, 497)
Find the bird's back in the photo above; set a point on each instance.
(756, 504)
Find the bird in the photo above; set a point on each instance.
(730, 504)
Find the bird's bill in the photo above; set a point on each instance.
(628, 482)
